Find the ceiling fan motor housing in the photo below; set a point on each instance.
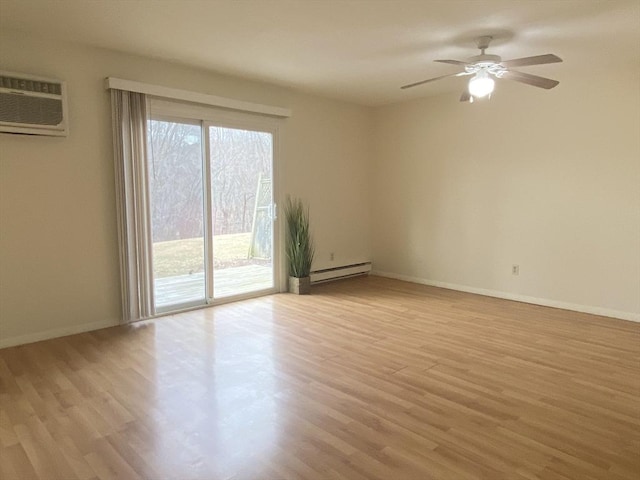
(485, 58)
(490, 63)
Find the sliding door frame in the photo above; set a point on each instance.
(160, 108)
(245, 124)
(163, 116)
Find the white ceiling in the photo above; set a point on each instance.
(356, 50)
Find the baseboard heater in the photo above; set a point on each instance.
(329, 274)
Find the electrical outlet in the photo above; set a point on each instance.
(331, 256)
(515, 270)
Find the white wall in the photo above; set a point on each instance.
(328, 151)
(58, 242)
(548, 180)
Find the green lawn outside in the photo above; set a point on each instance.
(182, 257)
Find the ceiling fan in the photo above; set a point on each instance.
(483, 67)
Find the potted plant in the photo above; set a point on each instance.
(299, 246)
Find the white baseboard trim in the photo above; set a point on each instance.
(54, 333)
(605, 312)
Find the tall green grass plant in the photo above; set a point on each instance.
(299, 244)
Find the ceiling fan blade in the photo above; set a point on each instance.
(530, 79)
(434, 79)
(465, 97)
(452, 62)
(537, 60)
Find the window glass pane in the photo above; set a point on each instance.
(176, 176)
(241, 192)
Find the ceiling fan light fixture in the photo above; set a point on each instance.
(482, 68)
(481, 84)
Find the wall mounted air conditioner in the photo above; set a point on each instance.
(32, 105)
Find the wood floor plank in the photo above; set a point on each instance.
(14, 463)
(365, 379)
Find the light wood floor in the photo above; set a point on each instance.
(368, 378)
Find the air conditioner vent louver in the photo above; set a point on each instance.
(30, 85)
(30, 110)
(32, 105)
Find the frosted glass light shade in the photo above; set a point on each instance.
(481, 85)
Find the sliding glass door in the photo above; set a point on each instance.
(176, 183)
(241, 163)
(213, 213)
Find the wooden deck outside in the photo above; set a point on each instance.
(227, 282)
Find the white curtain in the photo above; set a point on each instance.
(129, 119)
